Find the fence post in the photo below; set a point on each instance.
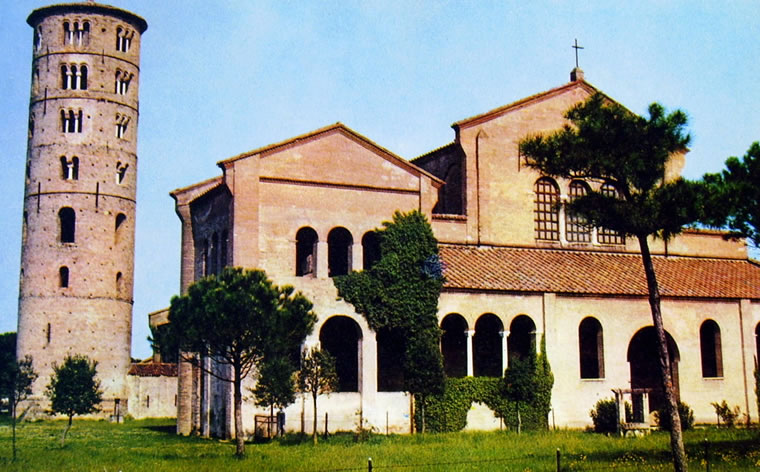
(707, 455)
(369, 464)
(325, 424)
(559, 467)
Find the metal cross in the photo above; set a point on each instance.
(576, 47)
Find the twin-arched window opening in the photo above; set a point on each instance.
(591, 346)
(710, 349)
(69, 168)
(121, 82)
(121, 172)
(76, 33)
(74, 77)
(122, 122)
(123, 39)
(339, 248)
(71, 121)
(67, 224)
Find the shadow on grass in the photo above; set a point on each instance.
(164, 429)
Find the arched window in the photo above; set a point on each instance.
(121, 172)
(67, 224)
(521, 341)
(486, 346)
(591, 345)
(122, 122)
(38, 38)
(645, 369)
(341, 337)
(575, 230)
(121, 83)
(119, 225)
(608, 236)
(123, 39)
(82, 77)
(119, 284)
(71, 121)
(454, 345)
(306, 252)
(710, 349)
(339, 245)
(65, 77)
(370, 249)
(70, 168)
(546, 209)
(63, 277)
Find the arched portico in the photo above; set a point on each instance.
(454, 345)
(521, 341)
(487, 346)
(341, 336)
(645, 370)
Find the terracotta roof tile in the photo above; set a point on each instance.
(153, 369)
(565, 271)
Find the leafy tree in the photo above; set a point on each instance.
(236, 318)
(738, 193)
(520, 383)
(544, 383)
(400, 292)
(274, 386)
(74, 389)
(16, 378)
(607, 143)
(317, 376)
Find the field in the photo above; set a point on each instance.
(151, 445)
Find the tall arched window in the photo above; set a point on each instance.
(339, 246)
(575, 231)
(486, 346)
(306, 252)
(67, 224)
(608, 236)
(591, 345)
(370, 249)
(454, 345)
(63, 277)
(546, 209)
(521, 341)
(341, 337)
(710, 349)
(119, 225)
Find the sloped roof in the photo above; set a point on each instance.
(595, 273)
(496, 112)
(337, 127)
(153, 369)
(195, 191)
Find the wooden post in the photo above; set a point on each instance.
(559, 466)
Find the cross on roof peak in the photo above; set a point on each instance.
(576, 47)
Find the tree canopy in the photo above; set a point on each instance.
(317, 376)
(606, 143)
(74, 389)
(400, 292)
(240, 319)
(737, 189)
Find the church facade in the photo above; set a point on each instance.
(517, 269)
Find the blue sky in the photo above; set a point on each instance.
(219, 78)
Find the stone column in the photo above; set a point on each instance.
(469, 333)
(322, 260)
(504, 350)
(357, 257)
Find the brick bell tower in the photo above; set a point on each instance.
(78, 237)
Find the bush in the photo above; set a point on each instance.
(605, 415)
(726, 414)
(684, 411)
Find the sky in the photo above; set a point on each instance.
(219, 78)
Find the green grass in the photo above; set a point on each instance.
(151, 445)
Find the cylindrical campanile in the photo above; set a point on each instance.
(77, 250)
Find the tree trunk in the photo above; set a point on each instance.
(314, 429)
(66, 430)
(239, 439)
(519, 419)
(676, 436)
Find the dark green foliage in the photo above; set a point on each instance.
(161, 342)
(737, 195)
(241, 319)
(684, 412)
(274, 386)
(401, 292)
(74, 389)
(544, 382)
(317, 376)
(605, 415)
(7, 361)
(726, 414)
(17, 378)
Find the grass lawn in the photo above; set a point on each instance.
(151, 445)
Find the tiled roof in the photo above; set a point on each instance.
(565, 271)
(153, 369)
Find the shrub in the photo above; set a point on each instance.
(726, 414)
(605, 415)
(684, 412)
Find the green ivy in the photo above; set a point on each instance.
(447, 412)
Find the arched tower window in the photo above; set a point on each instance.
(339, 245)
(370, 249)
(122, 121)
(608, 236)
(119, 284)
(121, 172)
(71, 121)
(306, 252)
(546, 209)
(591, 346)
(710, 349)
(63, 277)
(119, 225)
(575, 230)
(70, 168)
(486, 346)
(121, 83)
(67, 224)
(123, 39)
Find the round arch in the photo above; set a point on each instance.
(645, 370)
(487, 346)
(306, 252)
(521, 341)
(454, 345)
(341, 336)
(591, 347)
(339, 248)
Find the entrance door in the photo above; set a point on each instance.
(645, 369)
